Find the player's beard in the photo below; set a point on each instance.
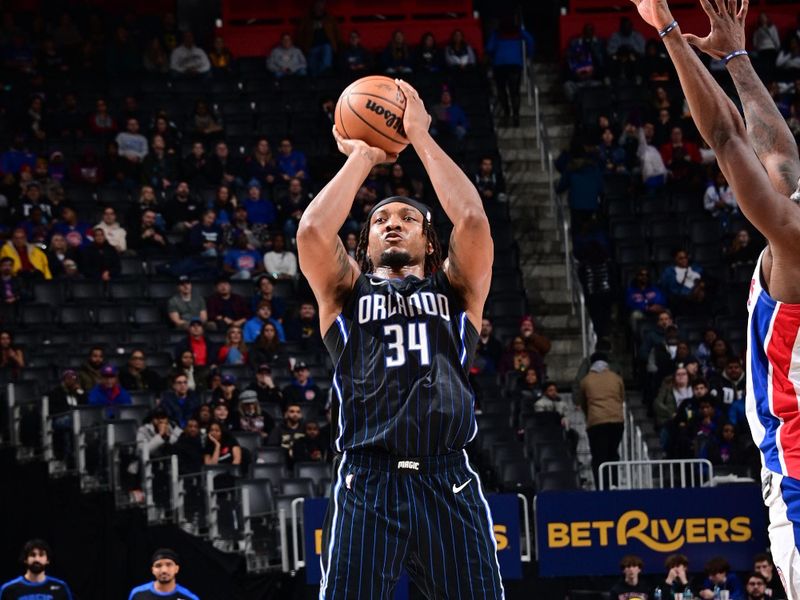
(395, 259)
(165, 578)
(36, 568)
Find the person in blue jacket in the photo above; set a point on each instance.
(507, 53)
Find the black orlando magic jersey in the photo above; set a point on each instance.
(401, 351)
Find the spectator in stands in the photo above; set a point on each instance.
(318, 36)
(180, 402)
(518, 358)
(17, 156)
(260, 210)
(268, 393)
(11, 289)
(729, 449)
(99, 260)
(254, 326)
(762, 564)
(527, 391)
(122, 55)
(184, 210)
(655, 66)
(643, 299)
(138, 377)
(305, 326)
(291, 163)
(29, 262)
(683, 281)
(87, 169)
(449, 118)
(631, 585)
(654, 171)
(118, 171)
(730, 388)
(224, 205)
(251, 419)
(188, 60)
(206, 123)
(719, 200)
(155, 59)
(680, 156)
(228, 394)
(159, 167)
(289, 431)
(114, 232)
(788, 60)
(611, 154)
(221, 447)
(719, 575)
(12, 359)
(132, 144)
(677, 579)
(705, 427)
(61, 399)
(354, 59)
(703, 350)
(718, 361)
(197, 376)
(35, 119)
(427, 57)
(101, 123)
(242, 261)
(222, 168)
(396, 58)
(585, 61)
(661, 360)
(602, 394)
(267, 347)
(205, 238)
(625, 48)
(766, 44)
(279, 262)
(507, 48)
(595, 269)
(312, 447)
(674, 392)
(265, 290)
(292, 207)
(458, 54)
(489, 349)
(202, 349)
(286, 59)
(194, 165)
(582, 179)
(108, 392)
(158, 434)
(234, 350)
(150, 238)
(189, 448)
(534, 340)
(186, 305)
(742, 251)
(302, 388)
(89, 372)
(756, 587)
(261, 165)
(220, 57)
(226, 308)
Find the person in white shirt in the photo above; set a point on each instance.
(132, 144)
(765, 36)
(718, 198)
(286, 59)
(279, 262)
(188, 59)
(115, 234)
(654, 172)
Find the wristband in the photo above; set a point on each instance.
(667, 29)
(734, 54)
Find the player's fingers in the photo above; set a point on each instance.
(742, 14)
(409, 92)
(692, 39)
(708, 9)
(718, 7)
(733, 6)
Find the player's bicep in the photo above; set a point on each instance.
(469, 259)
(327, 266)
(773, 214)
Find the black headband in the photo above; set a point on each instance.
(421, 207)
(165, 553)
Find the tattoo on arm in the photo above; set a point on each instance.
(342, 260)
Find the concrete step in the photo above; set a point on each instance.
(527, 176)
(531, 250)
(533, 209)
(545, 296)
(566, 347)
(546, 284)
(548, 266)
(551, 323)
(546, 67)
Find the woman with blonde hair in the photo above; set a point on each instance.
(234, 351)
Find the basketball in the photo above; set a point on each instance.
(371, 109)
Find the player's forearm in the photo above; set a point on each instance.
(713, 112)
(769, 134)
(327, 212)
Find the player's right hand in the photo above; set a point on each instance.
(349, 146)
(654, 12)
(727, 28)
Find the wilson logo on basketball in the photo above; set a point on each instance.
(392, 120)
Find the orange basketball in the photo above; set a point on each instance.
(371, 109)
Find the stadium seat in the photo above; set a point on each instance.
(558, 481)
(515, 477)
(312, 470)
(298, 487)
(275, 472)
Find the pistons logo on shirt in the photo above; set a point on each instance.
(246, 263)
(74, 238)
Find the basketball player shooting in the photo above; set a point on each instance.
(768, 199)
(401, 326)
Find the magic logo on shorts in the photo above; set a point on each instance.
(657, 534)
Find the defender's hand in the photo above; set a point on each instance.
(727, 28)
(375, 155)
(416, 119)
(654, 12)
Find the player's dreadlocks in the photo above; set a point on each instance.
(433, 261)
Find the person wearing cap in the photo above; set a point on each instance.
(186, 305)
(165, 566)
(260, 210)
(264, 387)
(109, 392)
(35, 583)
(227, 392)
(158, 434)
(250, 417)
(253, 326)
(29, 260)
(226, 308)
(180, 402)
(601, 399)
(302, 388)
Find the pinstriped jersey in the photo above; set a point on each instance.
(401, 351)
(773, 378)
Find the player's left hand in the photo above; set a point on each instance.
(415, 118)
(654, 12)
(727, 28)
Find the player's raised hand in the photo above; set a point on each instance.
(415, 118)
(727, 28)
(654, 12)
(348, 147)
